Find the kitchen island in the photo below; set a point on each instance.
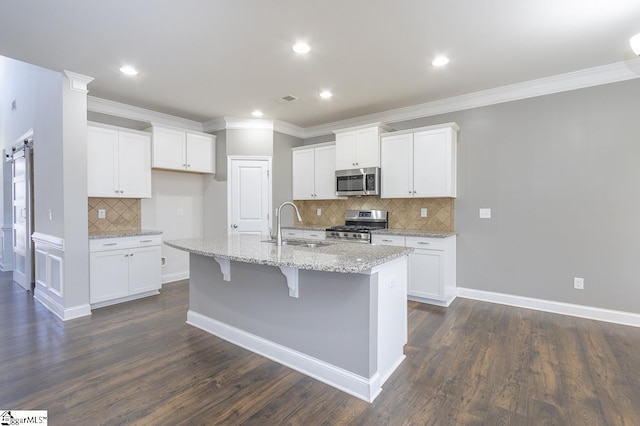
(336, 312)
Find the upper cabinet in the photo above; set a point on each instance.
(314, 172)
(177, 149)
(359, 147)
(419, 162)
(118, 162)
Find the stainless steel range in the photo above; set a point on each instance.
(358, 225)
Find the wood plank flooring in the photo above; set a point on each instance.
(473, 363)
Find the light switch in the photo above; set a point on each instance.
(102, 213)
(180, 212)
(485, 213)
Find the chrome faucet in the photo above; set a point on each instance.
(278, 215)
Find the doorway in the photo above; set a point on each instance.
(21, 159)
(249, 195)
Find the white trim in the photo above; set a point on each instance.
(104, 106)
(581, 311)
(605, 74)
(177, 276)
(124, 299)
(78, 82)
(58, 310)
(288, 129)
(48, 240)
(339, 378)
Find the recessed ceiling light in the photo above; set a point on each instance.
(257, 113)
(635, 44)
(128, 70)
(440, 61)
(301, 47)
(326, 94)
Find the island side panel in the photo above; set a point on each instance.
(329, 321)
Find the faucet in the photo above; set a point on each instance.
(278, 215)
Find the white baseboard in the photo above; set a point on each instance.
(589, 312)
(353, 384)
(59, 310)
(178, 276)
(124, 299)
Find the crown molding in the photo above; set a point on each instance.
(289, 129)
(118, 109)
(237, 123)
(613, 73)
(78, 82)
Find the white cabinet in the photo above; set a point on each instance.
(306, 234)
(359, 147)
(419, 162)
(432, 267)
(118, 163)
(314, 175)
(177, 149)
(123, 269)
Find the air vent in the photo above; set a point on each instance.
(285, 99)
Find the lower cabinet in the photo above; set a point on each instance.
(303, 234)
(123, 269)
(432, 267)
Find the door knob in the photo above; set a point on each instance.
(234, 226)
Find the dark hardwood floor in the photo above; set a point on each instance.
(474, 363)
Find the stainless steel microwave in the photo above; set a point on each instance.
(364, 181)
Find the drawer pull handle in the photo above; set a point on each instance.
(110, 244)
(424, 243)
(145, 241)
(387, 241)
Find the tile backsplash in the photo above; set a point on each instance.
(122, 214)
(403, 212)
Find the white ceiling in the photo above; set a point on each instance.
(204, 59)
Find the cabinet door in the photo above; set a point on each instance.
(368, 148)
(108, 275)
(314, 235)
(325, 172)
(397, 166)
(102, 167)
(200, 153)
(144, 269)
(433, 159)
(134, 159)
(303, 187)
(426, 274)
(345, 150)
(169, 149)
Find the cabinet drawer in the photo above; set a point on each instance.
(315, 235)
(292, 233)
(388, 240)
(426, 243)
(119, 243)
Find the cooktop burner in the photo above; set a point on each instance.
(358, 224)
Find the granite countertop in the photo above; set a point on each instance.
(129, 233)
(307, 228)
(345, 257)
(414, 233)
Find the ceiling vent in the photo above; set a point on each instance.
(285, 99)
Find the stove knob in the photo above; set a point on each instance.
(356, 235)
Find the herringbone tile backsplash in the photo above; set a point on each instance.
(404, 213)
(122, 214)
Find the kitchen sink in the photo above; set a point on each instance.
(301, 243)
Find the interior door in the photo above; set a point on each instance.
(21, 200)
(249, 196)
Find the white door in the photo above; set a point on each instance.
(134, 165)
(249, 195)
(397, 166)
(325, 172)
(21, 200)
(303, 174)
(200, 153)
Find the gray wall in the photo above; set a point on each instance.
(283, 173)
(561, 174)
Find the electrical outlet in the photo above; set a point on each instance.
(485, 213)
(578, 283)
(423, 212)
(102, 213)
(319, 212)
